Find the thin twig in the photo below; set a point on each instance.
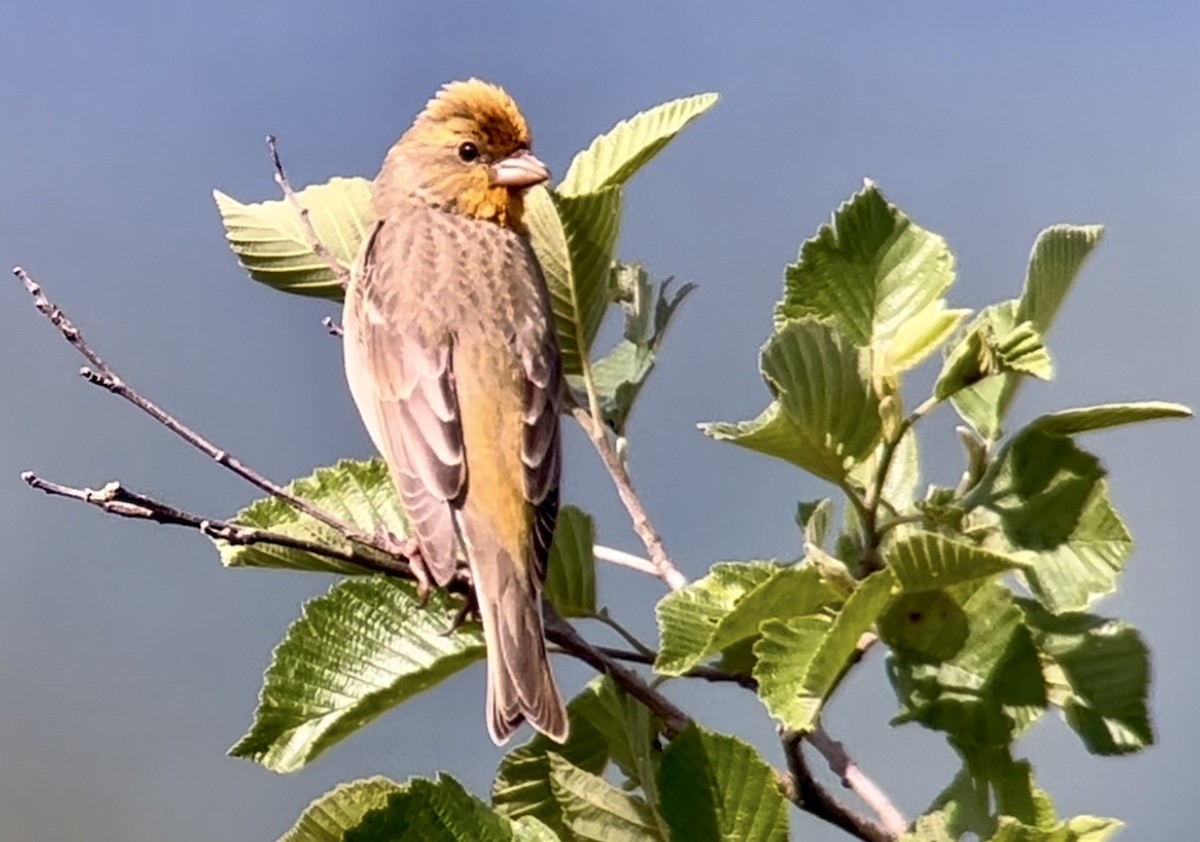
(852, 778)
(102, 375)
(604, 616)
(710, 674)
(615, 556)
(562, 633)
(116, 499)
(310, 233)
(663, 566)
(332, 327)
(809, 795)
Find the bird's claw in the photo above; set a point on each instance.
(467, 612)
(410, 549)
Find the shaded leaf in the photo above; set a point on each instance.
(522, 785)
(593, 809)
(270, 243)
(1098, 672)
(571, 578)
(574, 238)
(716, 788)
(1053, 506)
(614, 157)
(991, 690)
(992, 347)
(355, 653)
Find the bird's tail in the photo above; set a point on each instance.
(520, 682)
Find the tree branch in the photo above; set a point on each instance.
(102, 375)
(664, 568)
(809, 795)
(853, 778)
(310, 232)
(116, 499)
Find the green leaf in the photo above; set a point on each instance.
(1078, 829)
(631, 732)
(340, 809)
(904, 472)
(271, 244)
(728, 605)
(355, 653)
(918, 337)
(438, 811)
(991, 347)
(1098, 672)
(991, 690)
(522, 785)
(614, 157)
(815, 519)
(1053, 506)
(1069, 422)
(571, 578)
(618, 376)
(595, 810)
(1057, 258)
(716, 788)
(359, 493)
(870, 269)
(801, 660)
(574, 238)
(826, 416)
(927, 625)
(924, 561)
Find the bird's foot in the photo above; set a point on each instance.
(410, 549)
(467, 612)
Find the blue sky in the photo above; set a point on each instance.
(129, 660)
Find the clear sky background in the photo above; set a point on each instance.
(130, 660)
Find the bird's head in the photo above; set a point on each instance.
(468, 152)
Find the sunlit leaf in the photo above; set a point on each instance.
(355, 653)
(614, 157)
(271, 244)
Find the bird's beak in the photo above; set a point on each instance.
(519, 171)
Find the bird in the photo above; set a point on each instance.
(453, 362)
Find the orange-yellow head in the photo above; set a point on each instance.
(468, 152)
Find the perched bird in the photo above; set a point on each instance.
(452, 359)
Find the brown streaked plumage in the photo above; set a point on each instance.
(453, 362)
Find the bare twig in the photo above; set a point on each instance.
(663, 566)
(102, 375)
(710, 674)
(604, 616)
(562, 633)
(332, 327)
(615, 556)
(809, 795)
(853, 779)
(310, 233)
(116, 499)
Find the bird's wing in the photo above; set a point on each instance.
(402, 379)
(541, 452)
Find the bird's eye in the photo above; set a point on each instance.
(468, 152)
